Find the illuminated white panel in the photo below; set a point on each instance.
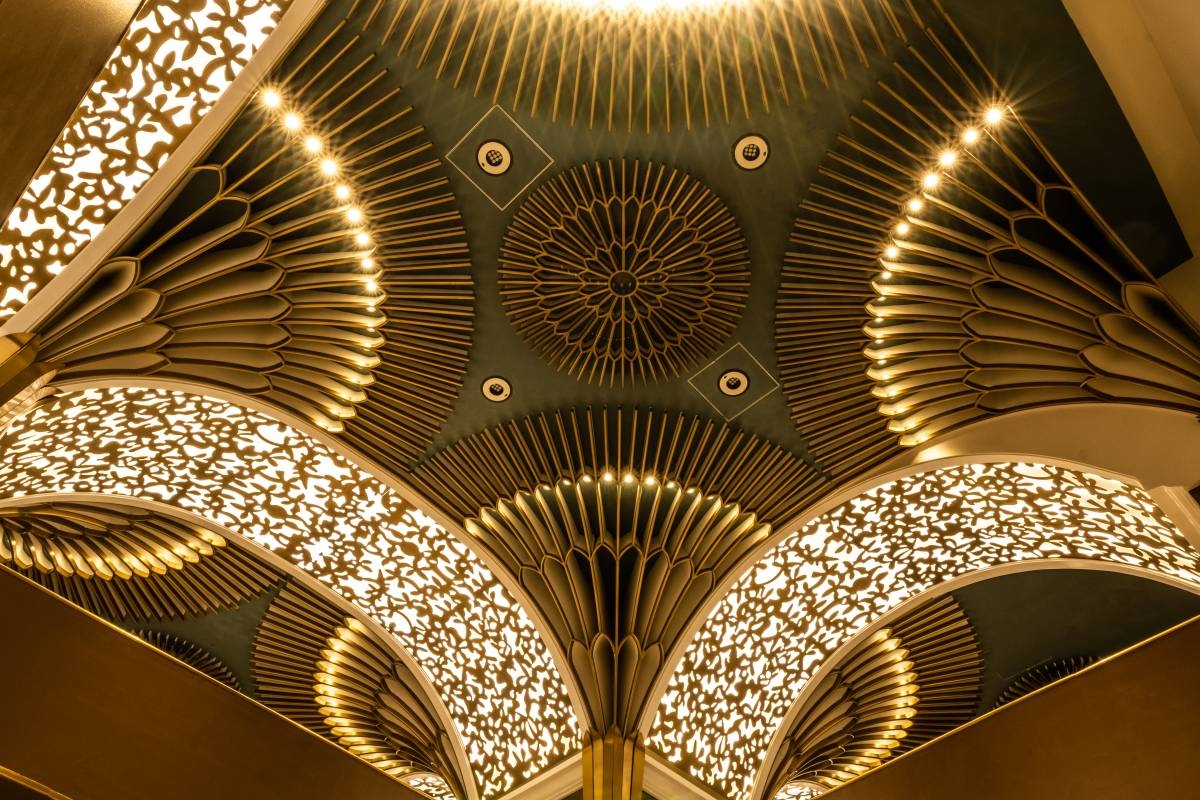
(287, 492)
(175, 60)
(843, 570)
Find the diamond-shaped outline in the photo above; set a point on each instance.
(746, 350)
(528, 136)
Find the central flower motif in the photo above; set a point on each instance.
(621, 272)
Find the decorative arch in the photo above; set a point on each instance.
(310, 505)
(135, 520)
(843, 570)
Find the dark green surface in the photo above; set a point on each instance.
(1033, 47)
(227, 635)
(1027, 618)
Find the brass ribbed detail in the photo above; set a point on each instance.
(761, 477)
(618, 567)
(903, 686)
(123, 562)
(191, 654)
(1043, 674)
(604, 68)
(1006, 290)
(327, 672)
(253, 279)
(613, 766)
(623, 272)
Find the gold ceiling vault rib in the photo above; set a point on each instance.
(820, 585)
(649, 65)
(326, 671)
(984, 281)
(619, 568)
(173, 63)
(315, 261)
(907, 683)
(761, 477)
(191, 654)
(127, 563)
(623, 272)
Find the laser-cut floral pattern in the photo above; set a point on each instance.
(825, 582)
(175, 60)
(290, 494)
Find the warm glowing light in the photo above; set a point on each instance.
(947, 158)
(372, 286)
(329, 166)
(355, 215)
(271, 98)
(903, 228)
(368, 263)
(892, 252)
(916, 204)
(931, 180)
(312, 144)
(886, 275)
(971, 135)
(362, 239)
(993, 115)
(342, 192)
(292, 121)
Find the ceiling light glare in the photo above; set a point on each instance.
(271, 98)
(931, 180)
(993, 115)
(947, 158)
(971, 135)
(292, 121)
(916, 204)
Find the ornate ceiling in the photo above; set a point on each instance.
(549, 372)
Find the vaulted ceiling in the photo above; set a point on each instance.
(518, 389)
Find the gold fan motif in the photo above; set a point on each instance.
(125, 562)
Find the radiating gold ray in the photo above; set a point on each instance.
(642, 64)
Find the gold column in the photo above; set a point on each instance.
(613, 765)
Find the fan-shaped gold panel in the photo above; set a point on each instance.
(328, 672)
(124, 562)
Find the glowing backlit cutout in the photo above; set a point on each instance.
(294, 496)
(845, 569)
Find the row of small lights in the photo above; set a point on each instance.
(294, 125)
(628, 478)
(929, 181)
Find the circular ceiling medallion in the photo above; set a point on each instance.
(623, 271)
